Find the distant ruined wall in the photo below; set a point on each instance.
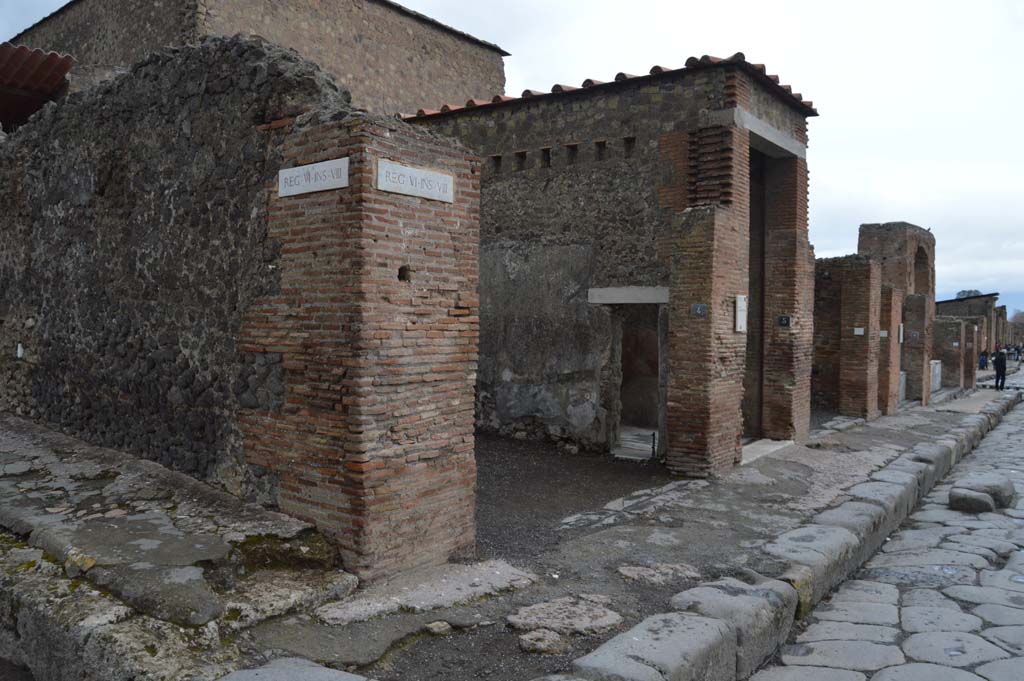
(390, 59)
(134, 241)
(391, 62)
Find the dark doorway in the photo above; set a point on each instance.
(639, 392)
(753, 379)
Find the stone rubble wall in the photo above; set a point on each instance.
(135, 240)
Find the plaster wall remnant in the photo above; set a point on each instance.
(387, 55)
(643, 182)
(168, 302)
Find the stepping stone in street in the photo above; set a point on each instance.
(807, 674)
(914, 540)
(995, 485)
(845, 631)
(919, 619)
(971, 501)
(1010, 638)
(1000, 615)
(858, 613)
(859, 591)
(928, 598)
(858, 656)
(1002, 670)
(924, 672)
(953, 649)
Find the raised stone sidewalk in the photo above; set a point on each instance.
(117, 569)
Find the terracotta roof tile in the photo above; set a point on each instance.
(28, 79)
(757, 71)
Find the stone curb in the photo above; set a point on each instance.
(725, 630)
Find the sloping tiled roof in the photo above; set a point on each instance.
(28, 79)
(738, 60)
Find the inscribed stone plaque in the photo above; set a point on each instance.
(426, 184)
(317, 177)
(858, 331)
(883, 334)
(741, 314)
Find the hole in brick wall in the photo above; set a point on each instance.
(572, 152)
(628, 146)
(545, 157)
(404, 273)
(520, 160)
(601, 149)
(496, 163)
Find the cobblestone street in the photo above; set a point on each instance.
(944, 598)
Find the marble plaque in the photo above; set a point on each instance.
(317, 177)
(425, 184)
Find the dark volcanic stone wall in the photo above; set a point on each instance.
(134, 239)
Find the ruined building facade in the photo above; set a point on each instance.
(644, 260)
(390, 58)
(314, 351)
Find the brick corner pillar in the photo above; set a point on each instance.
(709, 265)
(890, 318)
(949, 348)
(918, 327)
(859, 337)
(376, 323)
(789, 292)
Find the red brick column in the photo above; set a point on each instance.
(789, 291)
(375, 440)
(890, 318)
(948, 347)
(972, 349)
(709, 265)
(917, 346)
(858, 373)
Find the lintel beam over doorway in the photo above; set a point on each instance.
(764, 137)
(628, 295)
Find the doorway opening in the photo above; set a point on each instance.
(640, 390)
(753, 378)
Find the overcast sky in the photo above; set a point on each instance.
(920, 102)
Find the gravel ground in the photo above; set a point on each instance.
(525, 489)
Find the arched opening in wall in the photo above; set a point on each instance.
(922, 271)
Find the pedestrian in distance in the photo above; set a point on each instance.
(999, 364)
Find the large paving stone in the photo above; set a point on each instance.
(761, 614)
(292, 669)
(1000, 547)
(676, 646)
(1003, 579)
(859, 656)
(928, 557)
(1002, 670)
(807, 674)
(845, 631)
(953, 649)
(869, 522)
(919, 619)
(858, 613)
(860, 591)
(985, 594)
(1010, 638)
(897, 500)
(928, 576)
(928, 598)
(1000, 615)
(917, 671)
(913, 540)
